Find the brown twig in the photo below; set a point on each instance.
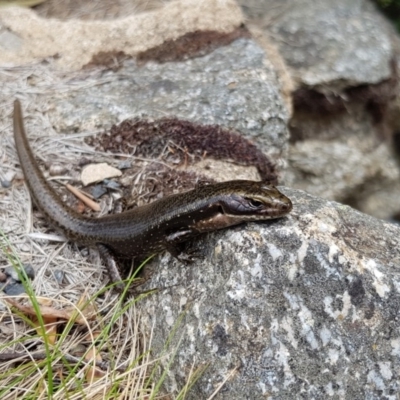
(83, 197)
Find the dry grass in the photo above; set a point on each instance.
(115, 332)
(53, 347)
(102, 358)
(16, 219)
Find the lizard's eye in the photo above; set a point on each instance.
(255, 203)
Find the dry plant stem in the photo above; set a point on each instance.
(81, 196)
(103, 365)
(223, 383)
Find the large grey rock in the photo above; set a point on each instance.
(234, 86)
(324, 43)
(303, 307)
(347, 169)
(338, 55)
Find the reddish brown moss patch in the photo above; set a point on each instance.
(180, 142)
(193, 44)
(163, 148)
(111, 60)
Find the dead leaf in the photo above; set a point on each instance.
(92, 373)
(50, 326)
(67, 314)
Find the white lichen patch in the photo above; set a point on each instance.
(183, 301)
(292, 268)
(333, 356)
(302, 251)
(196, 310)
(190, 330)
(244, 321)
(374, 378)
(238, 287)
(274, 251)
(380, 286)
(293, 300)
(217, 250)
(287, 325)
(323, 227)
(325, 335)
(344, 312)
(307, 325)
(169, 317)
(282, 356)
(306, 321)
(256, 270)
(330, 270)
(395, 343)
(333, 250)
(385, 370)
(329, 389)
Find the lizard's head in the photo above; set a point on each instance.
(254, 201)
(234, 202)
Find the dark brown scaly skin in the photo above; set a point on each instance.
(161, 225)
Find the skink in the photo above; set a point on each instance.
(161, 225)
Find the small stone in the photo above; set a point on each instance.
(126, 180)
(5, 184)
(8, 178)
(124, 164)
(98, 191)
(13, 273)
(112, 184)
(84, 161)
(116, 196)
(59, 275)
(14, 289)
(30, 272)
(98, 172)
(57, 170)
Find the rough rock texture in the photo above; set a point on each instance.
(325, 42)
(303, 307)
(349, 168)
(347, 157)
(341, 59)
(217, 88)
